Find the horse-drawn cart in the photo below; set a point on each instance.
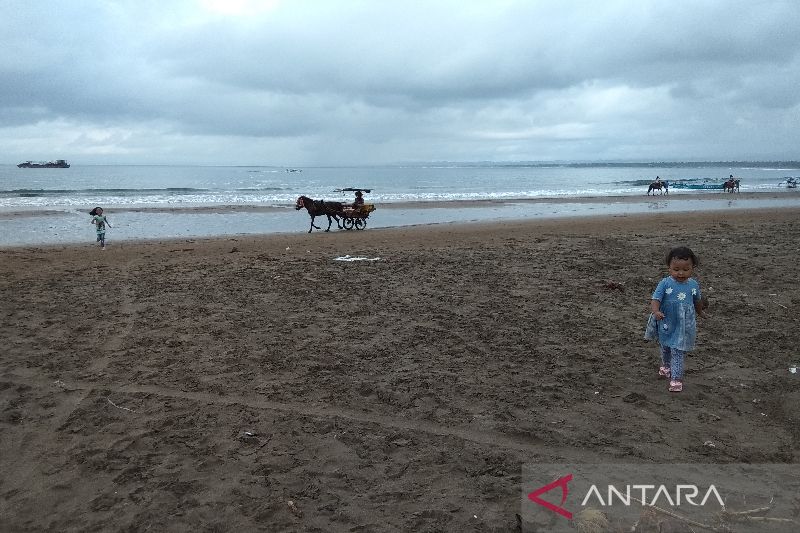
(347, 216)
(356, 217)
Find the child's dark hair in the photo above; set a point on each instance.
(93, 212)
(684, 253)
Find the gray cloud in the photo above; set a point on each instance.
(364, 82)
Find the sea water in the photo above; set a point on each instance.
(40, 206)
(83, 186)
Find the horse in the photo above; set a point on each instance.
(658, 185)
(317, 208)
(731, 186)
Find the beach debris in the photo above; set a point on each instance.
(349, 258)
(793, 369)
(60, 384)
(293, 508)
(591, 521)
(248, 436)
(709, 444)
(120, 407)
(708, 416)
(614, 286)
(634, 397)
(721, 522)
(252, 438)
(233, 250)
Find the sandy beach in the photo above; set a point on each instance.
(256, 383)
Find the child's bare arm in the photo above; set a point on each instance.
(700, 309)
(655, 308)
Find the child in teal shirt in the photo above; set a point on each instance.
(101, 221)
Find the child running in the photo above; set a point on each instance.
(101, 221)
(675, 304)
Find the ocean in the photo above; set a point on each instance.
(50, 206)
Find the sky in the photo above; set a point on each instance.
(333, 82)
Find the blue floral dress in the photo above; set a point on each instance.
(678, 329)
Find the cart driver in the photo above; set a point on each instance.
(359, 201)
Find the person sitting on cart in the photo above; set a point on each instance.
(359, 201)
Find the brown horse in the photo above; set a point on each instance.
(317, 208)
(660, 185)
(731, 186)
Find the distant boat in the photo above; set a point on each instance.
(59, 163)
(293, 170)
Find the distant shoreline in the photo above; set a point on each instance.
(143, 223)
(789, 165)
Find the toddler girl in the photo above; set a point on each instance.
(675, 305)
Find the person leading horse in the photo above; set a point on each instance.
(662, 186)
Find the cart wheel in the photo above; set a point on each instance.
(361, 223)
(347, 223)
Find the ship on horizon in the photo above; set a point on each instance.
(58, 163)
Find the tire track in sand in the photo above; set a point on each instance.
(481, 437)
(71, 397)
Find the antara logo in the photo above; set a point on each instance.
(661, 494)
(647, 495)
(561, 482)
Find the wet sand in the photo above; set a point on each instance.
(255, 383)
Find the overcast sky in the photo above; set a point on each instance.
(298, 82)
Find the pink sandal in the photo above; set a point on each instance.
(675, 386)
(664, 371)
